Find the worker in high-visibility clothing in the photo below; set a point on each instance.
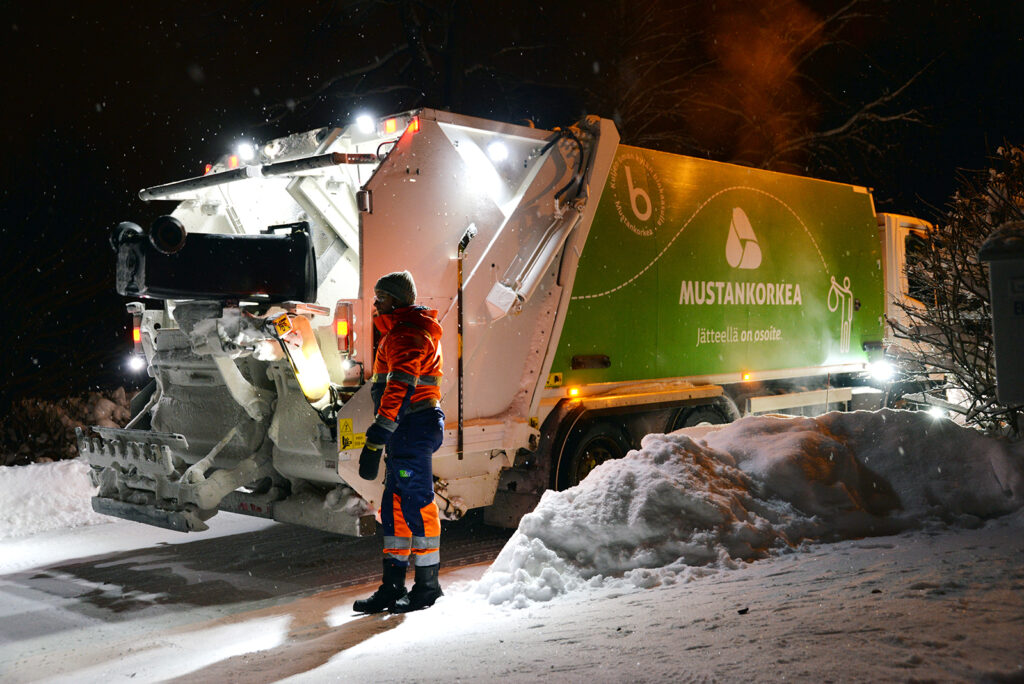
(409, 427)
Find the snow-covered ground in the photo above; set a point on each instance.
(880, 546)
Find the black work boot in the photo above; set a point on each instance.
(424, 592)
(391, 589)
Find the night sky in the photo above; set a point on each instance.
(105, 99)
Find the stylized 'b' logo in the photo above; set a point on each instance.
(635, 194)
(741, 249)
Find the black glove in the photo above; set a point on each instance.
(369, 461)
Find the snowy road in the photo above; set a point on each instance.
(151, 591)
(944, 605)
(864, 547)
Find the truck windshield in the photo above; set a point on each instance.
(917, 247)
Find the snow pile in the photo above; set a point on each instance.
(679, 506)
(42, 497)
(891, 468)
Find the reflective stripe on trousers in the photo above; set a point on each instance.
(410, 520)
(401, 543)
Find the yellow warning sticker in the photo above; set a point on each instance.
(283, 325)
(348, 438)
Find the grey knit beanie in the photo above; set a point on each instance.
(400, 286)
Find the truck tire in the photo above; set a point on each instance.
(709, 413)
(597, 443)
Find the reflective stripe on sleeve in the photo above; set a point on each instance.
(386, 423)
(401, 376)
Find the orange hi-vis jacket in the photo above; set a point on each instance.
(407, 365)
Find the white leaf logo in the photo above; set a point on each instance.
(741, 249)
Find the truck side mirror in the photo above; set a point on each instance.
(126, 230)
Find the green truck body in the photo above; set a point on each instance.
(694, 268)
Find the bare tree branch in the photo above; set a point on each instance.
(952, 332)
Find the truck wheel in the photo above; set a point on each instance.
(697, 415)
(598, 443)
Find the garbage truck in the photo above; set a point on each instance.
(591, 292)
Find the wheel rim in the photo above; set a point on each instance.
(593, 454)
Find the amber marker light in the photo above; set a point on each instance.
(343, 326)
(304, 353)
(574, 391)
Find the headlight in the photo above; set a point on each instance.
(366, 124)
(497, 151)
(882, 370)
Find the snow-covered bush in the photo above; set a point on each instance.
(953, 332)
(40, 430)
